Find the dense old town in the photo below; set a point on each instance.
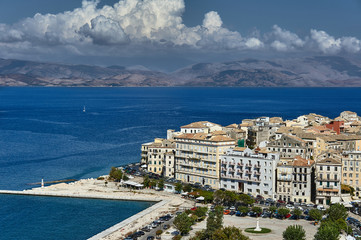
(309, 159)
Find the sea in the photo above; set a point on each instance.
(46, 134)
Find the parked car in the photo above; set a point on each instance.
(150, 237)
(281, 201)
(309, 205)
(289, 206)
(166, 226)
(320, 207)
(175, 233)
(146, 229)
(232, 208)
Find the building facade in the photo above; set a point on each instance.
(289, 146)
(247, 171)
(328, 180)
(197, 157)
(351, 174)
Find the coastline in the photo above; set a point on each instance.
(97, 189)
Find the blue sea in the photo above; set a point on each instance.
(44, 133)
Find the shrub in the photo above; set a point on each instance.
(158, 232)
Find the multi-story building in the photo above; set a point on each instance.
(200, 127)
(289, 146)
(284, 189)
(197, 157)
(328, 180)
(169, 165)
(303, 180)
(349, 116)
(156, 151)
(351, 174)
(248, 171)
(296, 180)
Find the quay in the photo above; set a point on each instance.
(164, 203)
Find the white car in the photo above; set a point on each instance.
(320, 207)
(289, 206)
(309, 205)
(232, 208)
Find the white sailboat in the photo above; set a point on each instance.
(84, 109)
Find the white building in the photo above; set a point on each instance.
(244, 170)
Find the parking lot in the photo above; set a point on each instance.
(277, 226)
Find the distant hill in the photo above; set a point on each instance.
(321, 71)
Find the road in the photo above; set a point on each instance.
(154, 230)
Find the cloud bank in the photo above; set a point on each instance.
(130, 26)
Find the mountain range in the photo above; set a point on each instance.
(317, 71)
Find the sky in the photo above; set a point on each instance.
(169, 34)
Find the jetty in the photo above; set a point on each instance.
(98, 189)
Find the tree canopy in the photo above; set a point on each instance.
(294, 232)
(229, 233)
(183, 223)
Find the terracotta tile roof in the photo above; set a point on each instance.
(218, 133)
(200, 124)
(301, 162)
(239, 149)
(206, 137)
(233, 125)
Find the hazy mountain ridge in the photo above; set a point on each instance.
(299, 72)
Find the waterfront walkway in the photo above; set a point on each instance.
(99, 189)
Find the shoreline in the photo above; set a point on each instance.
(164, 202)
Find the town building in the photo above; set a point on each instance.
(328, 181)
(289, 146)
(351, 174)
(156, 155)
(197, 157)
(249, 171)
(337, 126)
(296, 180)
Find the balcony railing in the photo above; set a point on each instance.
(257, 166)
(240, 164)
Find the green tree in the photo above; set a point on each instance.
(243, 209)
(229, 233)
(153, 183)
(199, 235)
(214, 221)
(246, 199)
(337, 211)
(146, 181)
(201, 211)
(187, 188)
(116, 174)
(327, 232)
(283, 212)
(297, 212)
(219, 216)
(294, 232)
(208, 196)
(218, 197)
(257, 210)
(230, 198)
(178, 187)
(161, 184)
(315, 214)
(183, 223)
(272, 209)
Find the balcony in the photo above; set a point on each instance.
(257, 173)
(240, 164)
(231, 163)
(257, 166)
(240, 171)
(231, 170)
(248, 165)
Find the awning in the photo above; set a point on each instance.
(200, 198)
(133, 184)
(144, 166)
(327, 190)
(185, 194)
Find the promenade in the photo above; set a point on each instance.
(97, 189)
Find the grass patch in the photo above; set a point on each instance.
(251, 230)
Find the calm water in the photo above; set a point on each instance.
(44, 133)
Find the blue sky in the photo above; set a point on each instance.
(152, 32)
